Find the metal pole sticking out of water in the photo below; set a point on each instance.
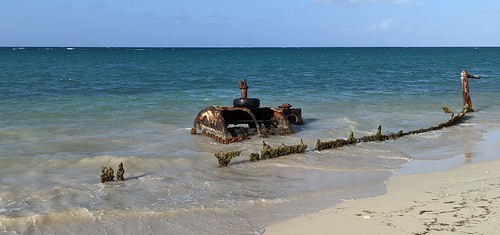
(464, 76)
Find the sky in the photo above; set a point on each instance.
(249, 23)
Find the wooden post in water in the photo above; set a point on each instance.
(464, 76)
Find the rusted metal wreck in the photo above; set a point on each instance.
(267, 152)
(246, 118)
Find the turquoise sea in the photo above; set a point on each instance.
(67, 112)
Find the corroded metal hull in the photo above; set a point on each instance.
(233, 124)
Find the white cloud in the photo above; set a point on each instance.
(382, 26)
(385, 25)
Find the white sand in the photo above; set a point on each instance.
(465, 200)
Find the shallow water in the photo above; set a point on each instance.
(65, 114)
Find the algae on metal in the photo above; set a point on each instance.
(454, 119)
(254, 157)
(273, 152)
(268, 151)
(225, 157)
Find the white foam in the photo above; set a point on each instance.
(468, 124)
(395, 157)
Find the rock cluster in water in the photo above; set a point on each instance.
(108, 174)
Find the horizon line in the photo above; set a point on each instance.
(240, 47)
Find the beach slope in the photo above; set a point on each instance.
(465, 200)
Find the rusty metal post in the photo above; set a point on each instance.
(464, 76)
(243, 88)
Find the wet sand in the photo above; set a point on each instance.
(464, 200)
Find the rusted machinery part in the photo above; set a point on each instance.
(294, 115)
(256, 123)
(464, 77)
(210, 122)
(243, 88)
(285, 106)
(214, 122)
(224, 140)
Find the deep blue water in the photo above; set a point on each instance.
(66, 112)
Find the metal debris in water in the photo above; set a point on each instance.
(213, 123)
(225, 157)
(254, 157)
(268, 151)
(464, 77)
(454, 119)
(246, 118)
(273, 152)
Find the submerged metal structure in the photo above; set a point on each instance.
(272, 152)
(246, 118)
(268, 152)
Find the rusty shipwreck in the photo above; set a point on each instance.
(245, 119)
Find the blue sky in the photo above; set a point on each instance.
(249, 23)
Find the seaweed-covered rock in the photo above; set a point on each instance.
(120, 172)
(107, 174)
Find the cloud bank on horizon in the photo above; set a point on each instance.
(249, 23)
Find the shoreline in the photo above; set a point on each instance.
(460, 196)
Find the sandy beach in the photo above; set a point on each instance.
(464, 200)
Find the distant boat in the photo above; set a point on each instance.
(70, 48)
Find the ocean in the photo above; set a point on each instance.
(67, 112)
